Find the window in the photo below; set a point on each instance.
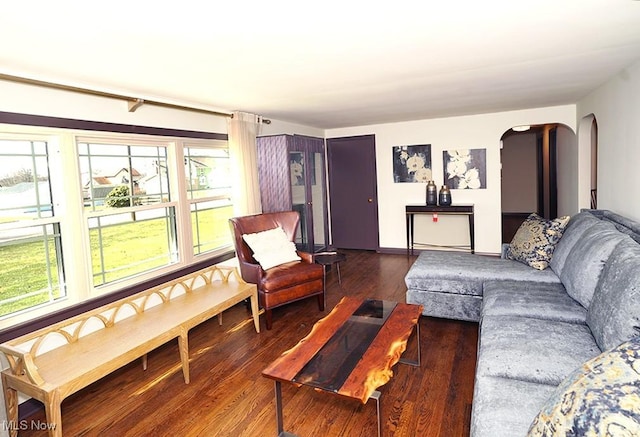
(131, 220)
(84, 214)
(30, 240)
(209, 193)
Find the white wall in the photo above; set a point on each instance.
(35, 100)
(616, 107)
(30, 99)
(277, 127)
(567, 171)
(475, 131)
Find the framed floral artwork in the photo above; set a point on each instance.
(465, 169)
(412, 163)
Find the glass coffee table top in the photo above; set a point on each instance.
(350, 352)
(336, 359)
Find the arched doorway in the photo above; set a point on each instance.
(532, 178)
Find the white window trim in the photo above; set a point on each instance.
(65, 177)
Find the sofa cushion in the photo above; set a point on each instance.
(623, 224)
(446, 305)
(586, 259)
(531, 299)
(614, 314)
(600, 398)
(577, 225)
(535, 350)
(505, 407)
(536, 239)
(465, 273)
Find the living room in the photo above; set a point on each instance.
(614, 103)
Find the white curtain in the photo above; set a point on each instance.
(243, 129)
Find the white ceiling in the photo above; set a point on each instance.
(331, 64)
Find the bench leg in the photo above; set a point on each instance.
(183, 345)
(255, 312)
(53, 413)
(220, 319)
(11, 407)
(144, 362)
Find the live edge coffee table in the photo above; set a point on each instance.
(349, 352)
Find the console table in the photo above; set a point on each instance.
(460, 209)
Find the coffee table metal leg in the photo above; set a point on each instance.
(281, 431)
(376, 395)
(415, 363)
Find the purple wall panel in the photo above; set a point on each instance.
(273, 172)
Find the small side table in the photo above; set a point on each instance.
(328, 259)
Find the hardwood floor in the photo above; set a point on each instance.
(228, 396)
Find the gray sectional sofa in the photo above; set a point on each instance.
(536, 326)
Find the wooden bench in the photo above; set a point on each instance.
(57, 361)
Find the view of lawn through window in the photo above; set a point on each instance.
(30, 247)
(129, 208)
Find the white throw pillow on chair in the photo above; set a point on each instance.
(271, 248)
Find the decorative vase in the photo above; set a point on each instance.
(444, 198)
(432, 196)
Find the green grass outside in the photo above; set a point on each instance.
(129, 249)
(24, 270)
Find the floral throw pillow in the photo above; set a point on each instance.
(536, 239)
(601, 398)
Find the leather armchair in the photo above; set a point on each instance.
(281, 284)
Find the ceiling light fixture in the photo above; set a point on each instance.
(521, 128)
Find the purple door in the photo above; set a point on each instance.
(352, 192)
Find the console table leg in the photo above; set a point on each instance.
(472, 240)
(408, 233)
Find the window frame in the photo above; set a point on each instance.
(82, 296)
(54, 220)
(194, 201)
